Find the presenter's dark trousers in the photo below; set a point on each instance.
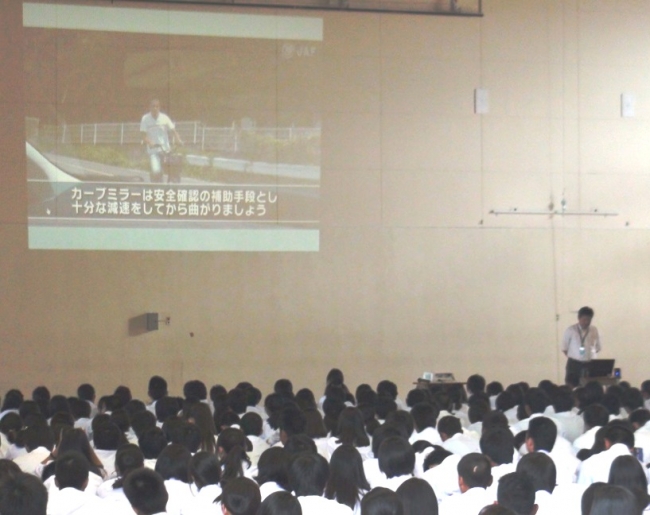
(574, 371)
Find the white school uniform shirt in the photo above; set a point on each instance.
(321, 447)
(511, 415)
(572, 424)
(203, 501)
(642, 440)
(317, 505)
(586, 440)
(393, 483)
(498, 471)
(372, 472)
(597, 467)
(428, 434)
(522, 425)
(567, 499)
(30, 461)
(544, 502)
(444, 477)
(259, 446)
(71, 501)
(14, 451)
(469, 503)
(94, 482)
(108, 461)
(418, 470)
(566, 466)
(180, 494)
(86, 425)
(268, 488)
(461, 444)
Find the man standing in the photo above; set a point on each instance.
(580, 344)
(155, 128)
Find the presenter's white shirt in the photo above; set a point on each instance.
(575, 338)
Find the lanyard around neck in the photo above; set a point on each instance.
(583, 338)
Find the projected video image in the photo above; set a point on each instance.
(171, 129)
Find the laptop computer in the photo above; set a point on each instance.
(599, 368)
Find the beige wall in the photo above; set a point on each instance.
(414, 273)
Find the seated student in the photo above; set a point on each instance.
(253, 398)
(146, 492)
(232, 447)
(315, 429)
(396, 462)
(86, 393)
(142, 421)
(241, 496)
(107, 439)
(619, 441)
(595, 416)
(350, 430)
(280, 503)
(493, 389)
(156, 391)
(347, 483)
(541, 471)
(604, 499)
(128, 458)
(12, 402)
(273, 404)
(474, 477)
(195, 390)
(382, 501)
(479, 407)
(205, 474)
(453, 438)
(308, 475)
(71, 478)
(39, 442)
(10, 426)
(425, 416)
(441, 472)
(507, 404)
(640, 420)
(166, 407)
(292, 422)
(173, 466)
(273, 471)
(535, 403)
(81, 412)
(237, 401)
(371, 466)
(23, 494)
(252, 426)
(200, 416)
(541, 437)
(417, 497)
(517, 493)
(498, 446)
(298, 444)
(626, 471)
(571, 424)
(152, 443)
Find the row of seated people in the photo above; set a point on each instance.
(457, 457)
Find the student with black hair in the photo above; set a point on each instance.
(595, 416)
(626, 471)
(292, 422)
(382, 501)
(146, 492)
(542, 437)
(308, 475)
(252, 426)
(425, 416)
(498, 446)
(315, 429)
(71, 478)
(280, 503)
(107, 439)
(350, 430)
(493, 389)
(604, 499)
(10, 426)
(152, 442)
(535, 403)
(418, 498)
(39, 442)
(453, 438)
(12, 401)
(479, 408)
(273, 471)
(200, 416)
(232, 447)
(298, 444)
(23, 494)
(475, 384)
(347, 483)
(474, 477)
(396, 461)
(284, 388)
(273, 404)
(517, 493)
(507, 403)
(173, 465)
(570, 424)
(640, 420)
(371, 465)
(128, 458)
(541, 471)
(141, 422)
(81, 412)
(241, 496)
(205, 474)
(166, 407)
(619, 441)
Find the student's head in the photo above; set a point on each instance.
(498, 445)
(351, 428)
(205, 469)
(435, 457)
(536, 401)
(251, 424)
(127, 458)
(305, 399)
(240, 496)
(387, 388)
(478, 410)
(195, 390)
(292, 422)
(237, 400)
(174, 462)
(86, 392)
(146, 492)
(347, 477)
(496, 509)
(416, 396)
(381, 433)
(38, 436)
(284, 388)
(385, 406)
(562, 401)
(22, 494)
(475, 384)
(108, 437)
(449, 426)
(381, 501)
(638, 418)
(166, 407)
(540, 469)
(494, 388)
(627, 471)
(595, 415)
(71, 470)
(152, 442)
(494, 420)
(298, 444)
(506, 401)
(541, 435)
(396, 457)
(232, 445)
(280, 503)
(334, 376)
(585, 314)
(474, 471)
(273, 467)
(142, 421)
(13, 400)
(10, 424)
(517, 492)
(315, 427)
(417, 497)
(8, 469)
(605, 499)
(615, 433)
(157, 388)
(424, 415)
(79, 408)
(308, 474)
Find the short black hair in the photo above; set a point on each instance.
(241, 496)
(475, 383)
(145, 490)
(23, 494)
(152, 442)
(396, 457)
(167, 407)
(639, 416)
(516, 492)
(540, 469)
(195, 390)
(475, 469)
(494, 388)
(280, 503)
(498, 445)
(585, 311)
(308, 474)
(449, 425)
(86, 392)
(251, 424)
(387, 388)
(142, 421)
(543, 432)
(381, 501)
(435, 457)
(424, 415)
(298, 444)
(108, 437)
(292, 421)
(615, 433)
(174, 463)
(595, 415)
(71, 470)
(537, 400)
(157, 388)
